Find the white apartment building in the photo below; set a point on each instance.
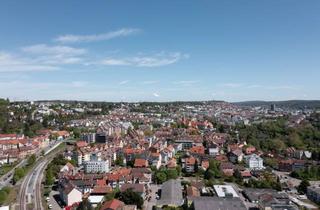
(254, 162)
(96, 166)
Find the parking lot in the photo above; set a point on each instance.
(152, 201)
(54, 199)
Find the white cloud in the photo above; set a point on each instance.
(13, 63)
(58, 54)
(79, 83)
(282, 87)
(149, 82)
(231, 85)
(57, 49)
(156, 95)
(186, 82)
(70, 38)
(160, 59)
(123, 82)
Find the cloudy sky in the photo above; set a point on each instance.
(114, 50)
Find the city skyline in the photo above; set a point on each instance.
(159, 51)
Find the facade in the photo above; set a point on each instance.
(70, 195)
(88, 137)
(96, 166)
(254, 162)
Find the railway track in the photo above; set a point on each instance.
(36, 172)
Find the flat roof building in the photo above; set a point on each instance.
(223, 191)
(216, 203)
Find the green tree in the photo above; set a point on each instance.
(130, 197)
(31, 160)
(172, 174)
(161, 177)
(3, 196)
(49, 177)
(18, 174)
(302, 188)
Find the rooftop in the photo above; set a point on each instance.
(171, 193)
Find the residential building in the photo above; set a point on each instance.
(254, 162)
(96, 166)
(70, 194)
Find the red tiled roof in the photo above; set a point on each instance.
(190, 161)
(197, 149)
(81, 144)
(140, 163)
(114, 204)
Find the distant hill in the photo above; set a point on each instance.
(293, 104)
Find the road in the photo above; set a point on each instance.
(30, 190)
(6, 178)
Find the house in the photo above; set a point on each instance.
(188, 164)
(80, 144)
(155, 159)
(171, 194)
(235, 156)
(197, 150)
(249, 150)
(140, 163)
(254, 162)
(70, 194)
(68, 168)
(227, 168)
(213, 149)
(291, 165)
(205, 164)
(114, 204)
(301, 154)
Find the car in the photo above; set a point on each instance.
(50, 206)
(47, 199)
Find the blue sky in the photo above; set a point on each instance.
(106, 50)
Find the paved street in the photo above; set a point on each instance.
(148, 204)
(54, 198)
(6, 178)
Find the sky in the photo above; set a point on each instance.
(168, 50)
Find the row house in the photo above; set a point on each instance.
(291, 165)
